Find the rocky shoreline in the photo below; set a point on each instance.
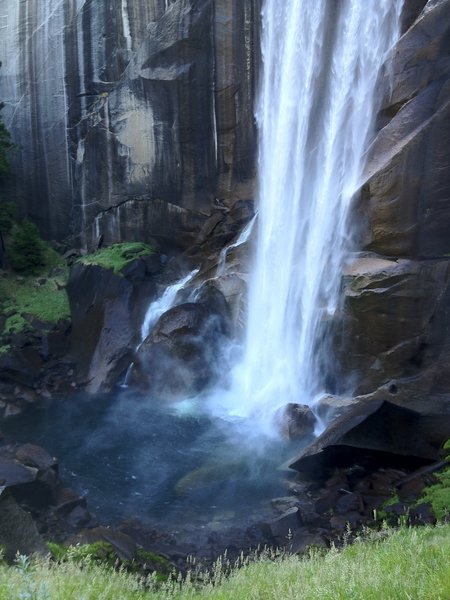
(36, 507)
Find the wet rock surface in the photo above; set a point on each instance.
(182, 353)
(377, 432)
(106, 309)
(407, 175)
(296, 422)
(397, 294)
(397, 315)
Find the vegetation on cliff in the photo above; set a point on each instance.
(27, 298)
(5, 145)
(409, 563)
(117, 256)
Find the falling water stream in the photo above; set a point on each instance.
(161, 305)
(240, 240)
(321, 62)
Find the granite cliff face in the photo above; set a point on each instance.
(134, 118)
(398, 291)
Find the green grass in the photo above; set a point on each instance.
(47, 302)
(117, 256)
(22, 297)
(409, 564)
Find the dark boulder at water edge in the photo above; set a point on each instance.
(181, 355)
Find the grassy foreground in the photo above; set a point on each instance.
(406, 564)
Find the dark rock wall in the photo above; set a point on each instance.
(134, 118)
(398, 296)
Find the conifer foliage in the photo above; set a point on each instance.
(27, 251)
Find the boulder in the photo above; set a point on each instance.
(30, 474)
(375, 433)
(329, 408)
(36, 457)
(21, 365)
(107, 310)
(66, 500)
(397, 314)
(304, 540)
(284, 527)
(18, 531)
(296, 422)
(182, 354)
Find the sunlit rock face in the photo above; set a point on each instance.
(134, 117)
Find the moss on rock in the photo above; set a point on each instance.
(24, 299)
(117, 256)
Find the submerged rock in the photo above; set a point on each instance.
(211, 474)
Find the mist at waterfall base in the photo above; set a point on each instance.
(180, 462)
(134, 458)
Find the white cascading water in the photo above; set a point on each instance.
(321, 61)
(155, 310)
(164, 303)
(241, 239)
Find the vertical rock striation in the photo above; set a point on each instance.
(134, 118)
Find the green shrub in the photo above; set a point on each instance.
(438, 495)
(27, 251)
(15, 324)
(5, 146)
(8, 212)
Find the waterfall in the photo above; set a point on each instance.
(164, 303)
(156, 309)
(318, 99)
(241, 239)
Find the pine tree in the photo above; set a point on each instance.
(5, 145)
(26, 252)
